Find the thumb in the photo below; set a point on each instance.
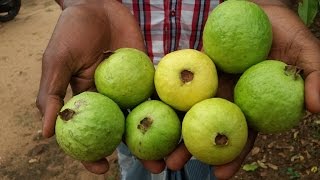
(54, 81)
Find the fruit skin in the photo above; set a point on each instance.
(173, 91)
(208, 118)
(94, 130)
(157, 139)
(271, 98)
(237, 35)
(126, 77)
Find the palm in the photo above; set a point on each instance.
(80, 37)
(293, 43)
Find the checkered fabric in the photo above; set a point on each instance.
(170, 25)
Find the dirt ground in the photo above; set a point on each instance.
(24, 154)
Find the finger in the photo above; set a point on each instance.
(312, 92)
(226, 83)
(98, 167)
(154, 166)
(54, 81)
(178, 158)
(226, 171)
(53, 106)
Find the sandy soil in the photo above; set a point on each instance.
(23, 153)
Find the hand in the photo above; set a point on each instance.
(83, 32)
(294, 44)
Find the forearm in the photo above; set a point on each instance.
(66, 3)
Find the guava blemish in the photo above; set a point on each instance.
(107, 53)
(186, 76)
(291, 70)
(66, 114)
(79, 103)
(221, 139)
(145, 124)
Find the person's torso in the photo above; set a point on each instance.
(170, 25)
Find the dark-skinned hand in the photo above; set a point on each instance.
(293, 44)
(85, 30)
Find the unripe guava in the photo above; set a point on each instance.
(185, 77)
(271, 95)
(215, 131)
(153, 130)
(126, 76)
(89, 126)
(237, 35)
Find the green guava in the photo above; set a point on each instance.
(89, 126)
(126, 77)
(185, 77)
(153, 130)
(215, 131)
(271, 95)
(237, 35)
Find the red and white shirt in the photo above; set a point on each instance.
(170, 25)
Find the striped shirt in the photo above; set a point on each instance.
(170, 25)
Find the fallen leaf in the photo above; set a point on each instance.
(255, 151)
(297, 157)
(250, 167)
(272, 166)
(291, 148)
(261, 164)
(271, 144)
(314, 169)
(295, 134)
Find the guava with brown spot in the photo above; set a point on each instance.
(271, 95)
(215, 131)
(185, 77)
(89, 126)
(153, 130)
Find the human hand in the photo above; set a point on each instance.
(83, 32)
(294, 44)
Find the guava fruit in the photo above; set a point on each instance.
(126, 76)
(215, 131)
(153, 130)
(89, 126)
(237, 35)
(185, 77)
(271, 95)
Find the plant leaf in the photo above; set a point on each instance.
(250, 167)
(307, 10)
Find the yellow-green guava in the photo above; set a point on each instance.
(237, 35)
(89, 126)
(271, 95)
(153, 130)
(185, 77)
(126, 77)
(215, 131)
